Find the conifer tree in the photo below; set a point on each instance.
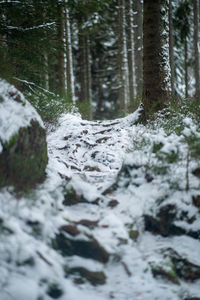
(156, 87)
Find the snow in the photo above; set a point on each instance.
(89, 156)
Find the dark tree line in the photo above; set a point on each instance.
(92, 51)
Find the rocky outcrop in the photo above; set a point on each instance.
(81, 274)
(70, 241)
(23, 148)
(175, 267)
(172, 221)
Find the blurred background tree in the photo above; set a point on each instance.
(61, 52)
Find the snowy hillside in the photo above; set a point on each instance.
(117, 217)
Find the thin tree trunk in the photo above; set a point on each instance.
(196, 48)
(186, 67)
(61, 62)
(122, 58)
(99, 87)
(138, 45)
(69, 62)
(82, 96)
(88, 70)
(46, 72)
(156, 70)
(130, 51)
(85, 94)
(171, 48)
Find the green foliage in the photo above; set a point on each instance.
(85, 109)
(181, 21)
(49, 105)
(171, 119)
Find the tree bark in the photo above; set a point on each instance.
(61, 62)
(85, 80)
(88, 70)
(156, 70)
(196, 50)
(130, 51)
(138, 46)
(171, 48)
(69, 61)
(122, 58)
(186, 67)
(99, 86)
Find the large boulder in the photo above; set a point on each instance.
(23, 148)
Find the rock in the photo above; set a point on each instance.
(95, 278)
(192, 298)
(196, 201)
(134, 234)
(54, 291)
(113, 203)
(88, 223)
(70, 241)
(184, 268)
(165, 222)
(175, 267)
(23, 148)
(71, 197)
(196, 172)
(166, 273)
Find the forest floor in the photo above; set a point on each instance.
(116, 218)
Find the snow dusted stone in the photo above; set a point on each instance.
(171, 220)
(23, 148)
(70, 241)
(175, 267)
(82, 274)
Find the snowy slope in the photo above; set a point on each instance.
(96, 160)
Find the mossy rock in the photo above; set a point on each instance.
(23, 147)
(82, 274)
(69, 242)
(165, 222)
(166, 272)
(24, 158)
(71, 197)
(182, 266)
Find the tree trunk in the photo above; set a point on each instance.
(171, 48)
(186, 67)
(46, 72)
(196, 50)
(156, 70)
(61, 62)
(85, 95)
(99, 86)
(138, 46)
(130, 51)
(82, 65)
(88, 70)
(69, 62)
(122, 58)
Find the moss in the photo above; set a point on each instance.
(95, 278)
(156, 147)
(134, 234)
(24, 158)
(11, 142)
(160, 170)
(166, 271)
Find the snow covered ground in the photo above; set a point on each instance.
(108, 165)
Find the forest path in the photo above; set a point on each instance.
(93, 150)
(92, 157)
